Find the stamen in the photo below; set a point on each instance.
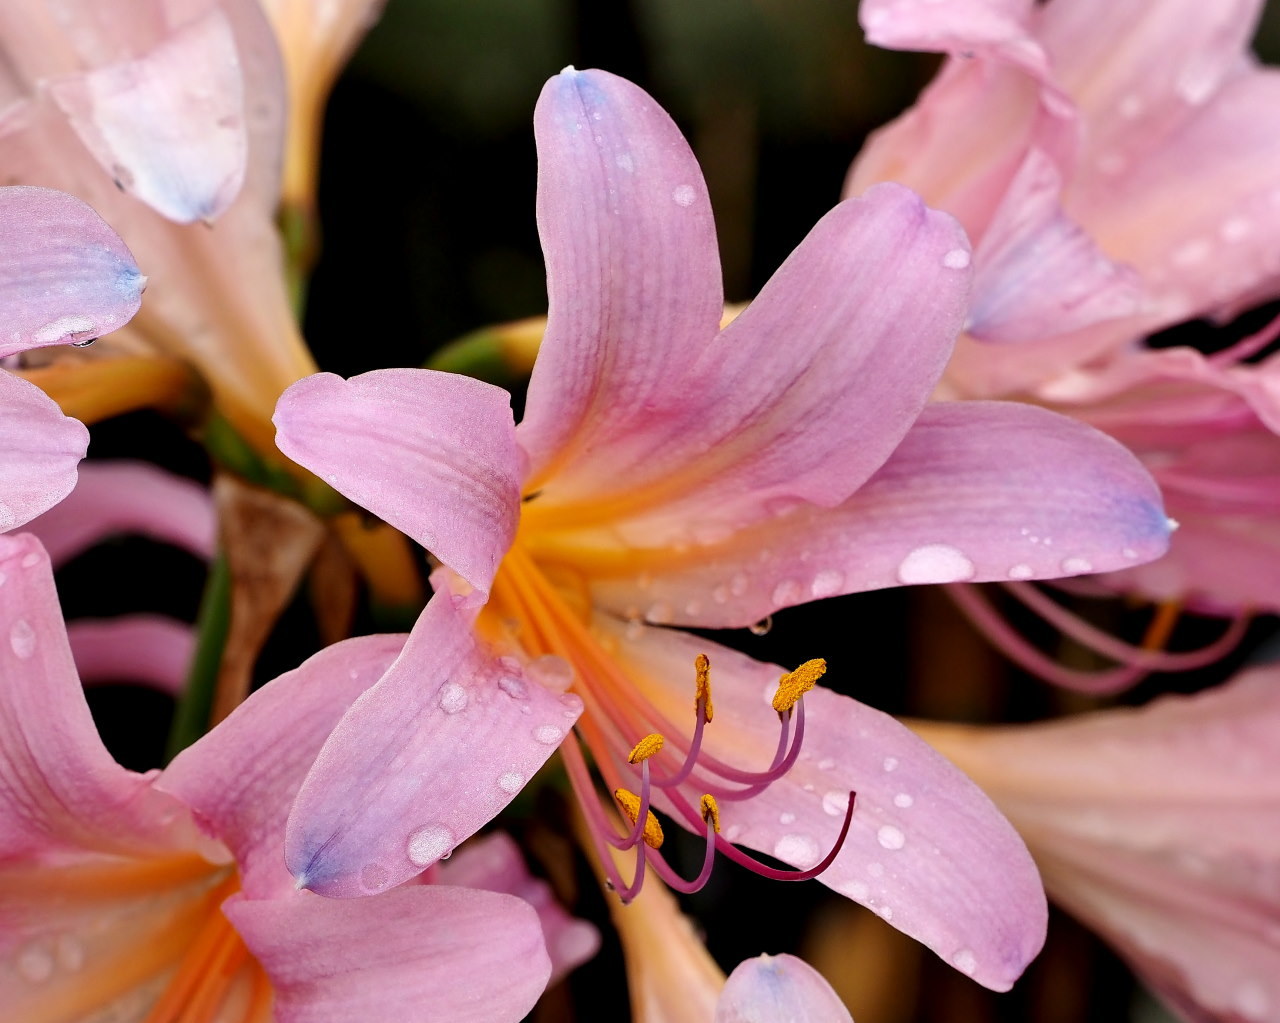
(794, 684)
(702, 687)
(646, 748)
(630, 804)
(711, 812)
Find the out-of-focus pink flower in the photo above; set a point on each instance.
(670, 473)
(65, 278)
(771, 988)
(1160, 828)
(150, 896)
(168, 118)
(1116, 168)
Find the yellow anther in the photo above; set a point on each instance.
(794, 684)
(702, 686)
(645, 748)
(630, 804)
(711, 812)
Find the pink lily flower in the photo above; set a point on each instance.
(770, 988)
(670, 473)
(1158, 828)
(164, 897)
(168, 118)
(1116, 169)
(65, 277)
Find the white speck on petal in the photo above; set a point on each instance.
(935, 563)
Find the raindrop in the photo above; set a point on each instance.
(7, 517)
(786, 818)
(1021, 572)
(886, 912)
(826, 763)
(762, 627)
(965, 961)
(684, 195)
(548, 735)
(826, 584)
(903, 801)
(22, 638)
(856, 890)
(1076, 566)
(551, 672)
(510, 782)
(453, 698)
(890, 763)
(835, 803)
(890, 837)
(659, 613)
(1130, 553)
(935, 563)
(428, 844)
(720, 594)
(83, 344)
(798, 849)
(788, 592)
(373, 877)
(956, 259)
(35, 964)
(69, 952)
(513, 686)
(31, 560)
(738, 584)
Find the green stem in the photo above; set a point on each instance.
(480, 354)
(191, 717)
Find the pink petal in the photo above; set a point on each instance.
(1039, 273)
(65, 276)
(926, 850)
(976, 491)
(415, 955)
(39, 451)
(771, 988)
(836, 346)
(1158, 827)
(633, 275)
(957, 25)
(169, 127)
(148, 649)
(444, 741)
(59, 788)
(434, 454)
(112, 498)
(242, 777)
(494, 864)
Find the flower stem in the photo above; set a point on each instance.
(191, 717)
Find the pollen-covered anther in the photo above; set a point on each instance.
(794, 684)
(702, 686)
(646, 748)
(630, 804)
(711, 812)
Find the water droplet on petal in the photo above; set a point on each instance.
(786, 818)
(826, 583)
(935, 563)
(886, 912)
(890, 837)
(875, 869)
(835, 803)
(788, 592)
(798, 849)
(1130, 553)
(513, 686)
(374, 877)
(69, 953)
(659, 613)
(22, 638)
(856, 890)
(548, 735)
(429, 843)
(890, 763)
(453, 698)
(572, 704)
(1021, 572)
(903, 801)
(551, 672)
(510, 782)
(965, 961)
(720, 594)
(33, 559)
(762, 627)
(35, 964)
(956, 259)
(684, 195)
(1076, 566)
(738, 584)
(7, 517)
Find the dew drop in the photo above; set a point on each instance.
(69, 953)
(513, 686)
(659, 613)
(890, 763)
(720, 594)
(826, 583)
(1252, 1001)
(1076, 566)
(7, 517)
(572, 704)
(373, 877)
(548, 735)
(826, 763)
(798, 849)
(835, 803)
(935, 563)
(788, 592)
(453, 698)
(738, 584)
(965, 961)
(1021, 572)
(33, 559)
(890, 837)
(786, 818)
(428, 844)
(886, 912)
(856, 890)
(35, 964)
(634, 630)
(903, 801)
(684, 195)
(510, 782)
(22, 638)
(551, 672)
(625, 162)
(1130, 553)
(762, 627)
(956, 259)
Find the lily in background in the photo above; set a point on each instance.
(1158, 828)
(770, 988)
(65, 278)
(164, 897)
(1118, 174)
(670, 473)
